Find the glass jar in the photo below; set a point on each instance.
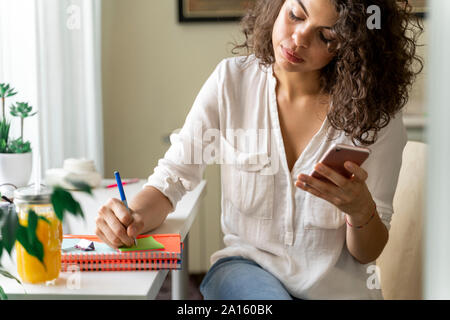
(29, 268)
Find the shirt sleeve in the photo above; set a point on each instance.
(383, 166)
(182, 167)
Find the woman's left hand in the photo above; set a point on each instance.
(351, 196)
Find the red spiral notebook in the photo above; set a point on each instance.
(104, 258)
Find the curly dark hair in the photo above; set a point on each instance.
(372, 72)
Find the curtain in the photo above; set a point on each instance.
(50, 51)
(69, 80)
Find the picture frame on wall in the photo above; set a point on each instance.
(419, 7)
(212, 10)
(234, 10)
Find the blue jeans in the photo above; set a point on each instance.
(237, 278)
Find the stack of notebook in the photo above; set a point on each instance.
(153, 252)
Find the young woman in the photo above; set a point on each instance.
(317, 72)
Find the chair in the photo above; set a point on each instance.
(401, 260)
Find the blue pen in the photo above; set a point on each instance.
(122, 193)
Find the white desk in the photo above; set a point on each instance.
(112, 284)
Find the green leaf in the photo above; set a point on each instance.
(3, 146)
(4, 129)
(19, 146)
(9, 229)
(1, 247)
(4, 88)
(44, 219)
(63, 201)
(22, 236)
(3, 295)
(80, 185)
(6, 274)
(79, 210)
(32, 225)
(57, 200)
(6, 91)
(28, 239)
(22, 110)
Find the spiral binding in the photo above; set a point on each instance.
(122, 265)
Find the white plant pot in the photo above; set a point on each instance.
(16, 168)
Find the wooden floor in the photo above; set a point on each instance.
(194, 284)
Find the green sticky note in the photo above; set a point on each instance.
(147, 243)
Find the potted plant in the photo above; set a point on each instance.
(15, 154)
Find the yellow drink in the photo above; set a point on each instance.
(29, 268)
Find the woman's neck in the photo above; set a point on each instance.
(294, 86)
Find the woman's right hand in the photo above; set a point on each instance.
(116, 225)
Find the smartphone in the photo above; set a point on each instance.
(337, 155)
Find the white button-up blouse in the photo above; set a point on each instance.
(293, 234)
